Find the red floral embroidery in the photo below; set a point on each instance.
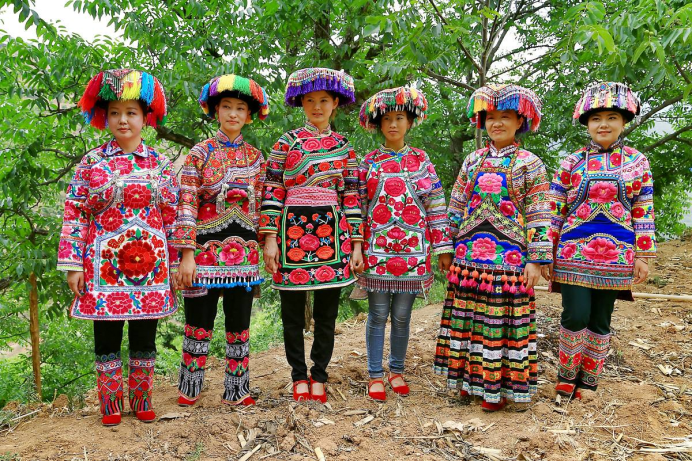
(424, 183)
(295, 254)
(98, 178)
(644, 242)
(309, 242)
(391, 166)
(381, 214)
(206, 258)
(207, 212)
(232, 253)
(136, 196)
(583, 211)
(328, 142)
(324, 230)
(295, 232)
(630, 256)
(292, 159)
(299, 277)
(507, 208)
(395, 186)
(411, 214)
(396, 233)
(483, 249)
(411, 162)
(461, 251)
(253, 257)
(118, 303)
(569, 250)
(600, 250)
(109, 274)
(324, 274)
(152, 302)
(617, 210)
(325, 252)
(87, 304)
(490, 183)
(576, 179)
(136, 259)
(311, 144)
(346, 246)
(396, 266)
(513, 257)
(351, 201)
(476, 200)
(603, 192)
(638, 212)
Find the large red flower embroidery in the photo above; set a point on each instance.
(136, 259)
(617, 209)
(411, 214)
(206, 258)
(292, 159)
(396, 233)
(109, 274)
(411, 162)
(372, 185)
(328, 142)
(569, 249)
(71, 211)
(381, 241)
(600, 250)
(583, 211)
(325, 252)
(153, 302)
(351, 201)
(87, 304)
(111, 220)
(136, 196)
(253, 257)
(575, 180)
(295, 232)
(295, 254)
(324, 230)
(396, 266)
(644, 242)
(513, 257)
(391, 166)
(424, 184)
(118, 303)
(168, 214)
(475, 201)
(346, 246)
(232, 253)
(207, 212)
(395, 186)
(461, 251)
(638, 212)
(98, 178)
(507, 208)
(603, 192)
(120, 164)
(65, 250)
(299, 276)
(381, 214)
(279, 193)
(483, 249)
(324, 274)
(309, 242)
(311, 144)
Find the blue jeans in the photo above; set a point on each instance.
(380, 305)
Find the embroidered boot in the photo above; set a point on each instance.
(570, 350)
(237, 375)
(192, 368)
(109, 379)
(593, 356)
(140, 381)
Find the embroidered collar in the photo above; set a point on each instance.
(226, 141)
(385, 150)
(114, 149)
(312, 129)
(596, 147)
(503, 152)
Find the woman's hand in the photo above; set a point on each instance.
(75, 281)
(640, 271)
(547, 271)
(444, 262)
(532, 274)
(187, 270)
(270, 254)
(356, 260)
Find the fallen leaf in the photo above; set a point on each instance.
(355, 353)
(174, 415)
(666, 370)
(452, 425)
(475, 425)
(364, 421)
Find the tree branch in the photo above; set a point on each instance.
(166, 134)
(459, 41)
(669, 137)
(442, 78)
(655, 110)
(681, 71)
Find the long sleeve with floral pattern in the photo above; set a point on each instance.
(537, 212)
(602, 216)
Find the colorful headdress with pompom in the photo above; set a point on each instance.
(393, 99)
(123, 85)
(503, 97)
(234, 86)
(607, 95)
(319, 78)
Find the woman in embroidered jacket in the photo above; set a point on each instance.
(311, 219)
(499, 219)
(216, 228)
(405, 223)
(603, 228)
(119, 213)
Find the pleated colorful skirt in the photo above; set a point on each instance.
(487, 345)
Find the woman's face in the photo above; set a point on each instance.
(501, 126)
(318, 107)
(394, 125)
(232, 114)
(125, 121)
(605, 127)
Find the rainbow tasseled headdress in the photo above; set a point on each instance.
(607, 95)
(503, 97)
(319, 78)
(393, 99)
(234, 86)
(123, 85)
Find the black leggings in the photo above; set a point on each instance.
(584, 307)
(108, 336)
(237, 302)
(325, 310)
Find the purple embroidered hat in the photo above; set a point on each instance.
(319, 78)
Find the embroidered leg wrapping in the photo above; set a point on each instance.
(192, 368)
(570, 353)
(593, 356)
(140, 380)
(109, 372)
(237, 375)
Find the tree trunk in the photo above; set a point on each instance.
(34, 331)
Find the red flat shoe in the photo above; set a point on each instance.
(185, 402)
(145, 416)
(565, 388)
(110, 420)
(464, 393)
(402, 390)
(323, 397)
(493, 407)
(577, 395)
(247, 401)
(377, 395)
(301, 396)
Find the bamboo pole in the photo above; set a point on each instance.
(34, 331)
(683, 298)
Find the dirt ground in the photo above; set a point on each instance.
(641, 411)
